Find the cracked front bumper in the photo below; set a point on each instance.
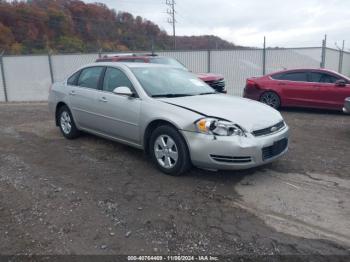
(235, 152)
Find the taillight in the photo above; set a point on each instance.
(252, 84)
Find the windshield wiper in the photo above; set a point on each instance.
(171, 95)
(208, 93)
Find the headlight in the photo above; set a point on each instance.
(213, 126)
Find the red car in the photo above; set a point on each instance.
(316, 88)
(215, 81)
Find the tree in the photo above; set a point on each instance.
(6, 37)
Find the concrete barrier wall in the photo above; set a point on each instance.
(64, 65)
(236, 66)
(28, 78)
(332, 59)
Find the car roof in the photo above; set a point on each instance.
(305, 69)
(129, 64)
(121, 56)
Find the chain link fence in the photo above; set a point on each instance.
(28, 78)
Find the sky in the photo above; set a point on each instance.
(285, 23)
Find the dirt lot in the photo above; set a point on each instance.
(92, 196)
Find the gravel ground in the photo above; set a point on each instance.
(93, 196)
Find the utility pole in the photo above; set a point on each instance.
(171, 20)
(323, 54)
(341, 56)
(264, 56)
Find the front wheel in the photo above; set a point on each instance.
(169, 151)
(271, 98)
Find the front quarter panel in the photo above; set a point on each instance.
(152, 110)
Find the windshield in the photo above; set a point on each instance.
(170, 82)
(167, 61)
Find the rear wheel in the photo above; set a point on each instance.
(271, 98)
(66, 123)
(169, 151)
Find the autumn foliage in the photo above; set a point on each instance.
(38, 26)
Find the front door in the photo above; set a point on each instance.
(118, 114)
(329, 95)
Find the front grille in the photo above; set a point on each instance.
(269, 130)
(274, 150)
(231, 159)
(218, 85)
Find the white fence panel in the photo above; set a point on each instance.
(2, 90)
(280, 59)
(332, 59)
(27, 78)
(196, 61)
(64, 65)
(236, 66)
(346, 64)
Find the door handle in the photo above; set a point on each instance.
(282, 84)
(103, 99)
(72, 93)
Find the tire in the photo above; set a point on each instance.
(169, 151)
(271, 98)
(66, 123)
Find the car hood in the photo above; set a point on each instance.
(249, 114)
(209, 77)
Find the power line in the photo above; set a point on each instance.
(171, 20)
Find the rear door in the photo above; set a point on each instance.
(82, 97)
(295, 89)
(329, 95)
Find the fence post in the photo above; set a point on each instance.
(209, 61)
(3, 75)
(50, 66)
(264, 57)
(341, 57)
(323, 54)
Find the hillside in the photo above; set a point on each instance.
(37, 26)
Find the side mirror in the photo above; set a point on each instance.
(340, 82)
(123, 90)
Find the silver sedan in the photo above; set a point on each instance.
(176, 118)
(346, 108)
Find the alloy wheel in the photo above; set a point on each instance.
(270, 99)
(66, 123)
(166, 151)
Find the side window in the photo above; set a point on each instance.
(90, 77)
(296, 76)
(326, 78)
(277, 76)
(115, 78)
(139, 60)
(126, 60)
(315, 77)
(72, 81)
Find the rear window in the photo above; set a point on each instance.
(295, 76)
(90, 77)
(72, 81)
(277, 76)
